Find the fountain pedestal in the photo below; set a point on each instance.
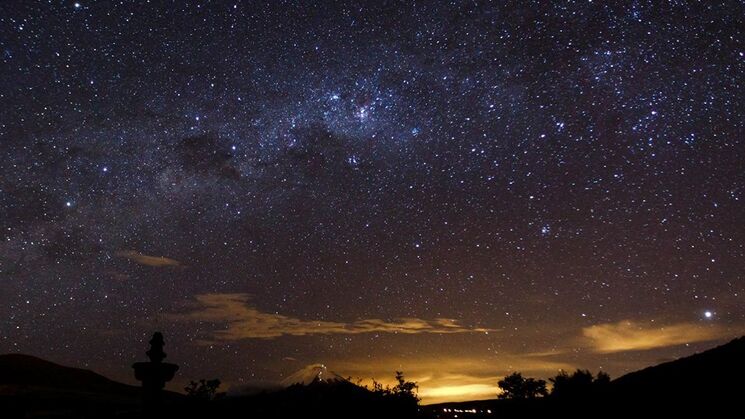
(154, 374)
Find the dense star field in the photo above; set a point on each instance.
(458, 190)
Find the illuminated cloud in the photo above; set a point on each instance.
(630, 336)
(242, 321)
(155, 261)
(443, 377)
(458, 392)
(445, 382)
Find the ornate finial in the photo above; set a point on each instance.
(156, 353)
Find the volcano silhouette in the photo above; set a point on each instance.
(311, 374)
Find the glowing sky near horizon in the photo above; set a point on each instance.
(454, 189)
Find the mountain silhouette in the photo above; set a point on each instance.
(24, 373)
(713, 375)
(311, 374)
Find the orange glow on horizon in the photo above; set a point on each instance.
(458, 392)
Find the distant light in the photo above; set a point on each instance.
(708, 314)
(77, 5)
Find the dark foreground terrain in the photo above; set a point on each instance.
(710, 381)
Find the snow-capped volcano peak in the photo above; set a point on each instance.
(311, 374)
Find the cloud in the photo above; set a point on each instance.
(155, 261)
(242, 321)
(630, 336)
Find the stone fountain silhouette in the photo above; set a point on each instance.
(154, 374)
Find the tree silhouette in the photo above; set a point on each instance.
(202, 390)
(405, 389)
(602, 379)
(581, 383)
(515, 386)
(403, 395)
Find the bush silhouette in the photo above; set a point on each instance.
(515, 386)
(202, 390)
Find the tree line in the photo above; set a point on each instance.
(581, 383)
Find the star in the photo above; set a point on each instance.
(362, 113)
(451, 168)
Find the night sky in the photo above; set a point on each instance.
(455, 189)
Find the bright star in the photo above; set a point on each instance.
(362, 113)
(708, 314)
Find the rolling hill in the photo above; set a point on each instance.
(24, 373)
(715, 374)
(33, 387)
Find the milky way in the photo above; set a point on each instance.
(456, 189)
